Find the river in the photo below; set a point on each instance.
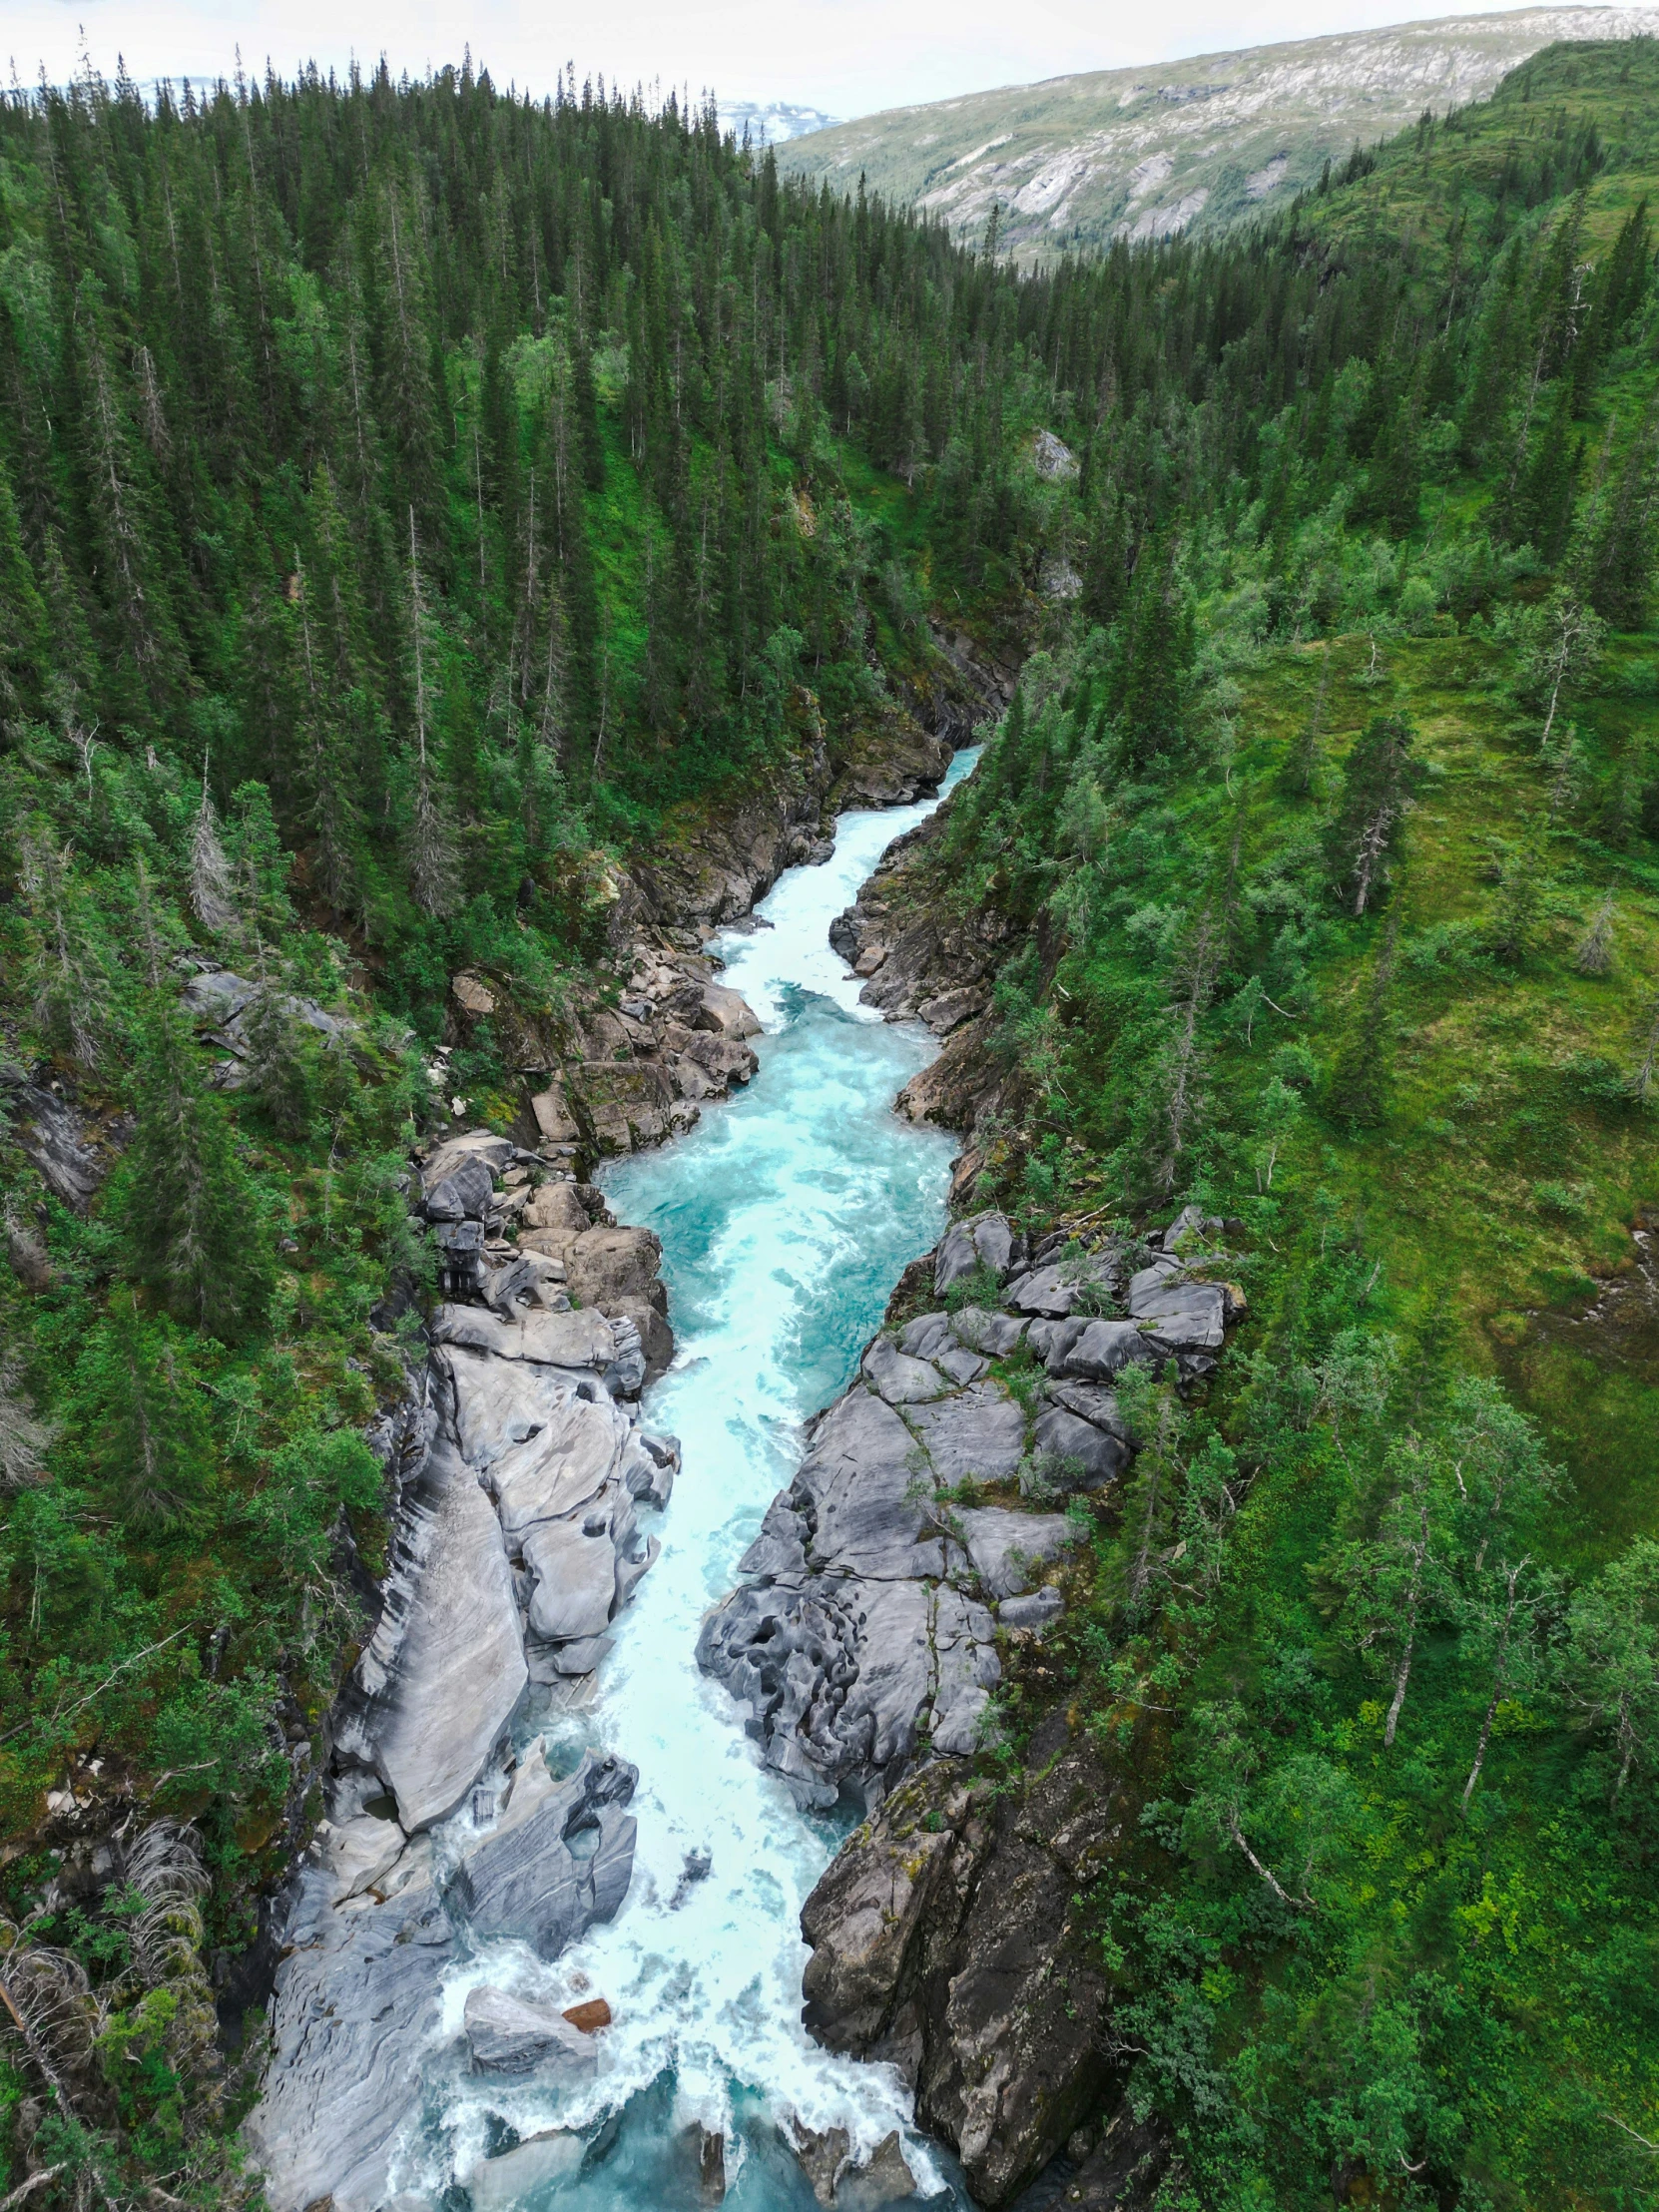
(786, 1216)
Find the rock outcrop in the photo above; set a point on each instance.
(948, 1935)
(949, 1938)
(517, 1543)
(867, 1631)
(374, 1923)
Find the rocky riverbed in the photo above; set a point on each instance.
(522, 1469)
(923, 1538)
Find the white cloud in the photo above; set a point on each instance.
(850, 56)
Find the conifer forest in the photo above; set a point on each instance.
(424, 512)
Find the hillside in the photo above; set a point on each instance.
(450, 550)
(1326, 861)
(1188, 146)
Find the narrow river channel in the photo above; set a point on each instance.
(786, 1216)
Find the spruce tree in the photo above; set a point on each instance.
(194, 1219)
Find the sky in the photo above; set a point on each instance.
(846, 57)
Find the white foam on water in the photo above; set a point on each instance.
(786, 1216)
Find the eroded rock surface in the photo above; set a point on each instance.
(356, 2013)
(949, 1939)
(866, 1633)
(517, 1543)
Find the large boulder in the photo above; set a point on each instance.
(558, 1859)
(952, 1936)
(1010, 1550)
(985, 1241)
(507, 2036)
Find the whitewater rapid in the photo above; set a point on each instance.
(786, 1216)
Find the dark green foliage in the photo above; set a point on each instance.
(1370, 810)
(199, 1237)
(415, 501)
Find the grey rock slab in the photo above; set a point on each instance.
(841, 1675)
(579, 1655)
(462, 1195)
(360, 1852)
(780, 1551)
(1052, 1339)
(558, 1860)
(1054, 1290)
(565, 1465)
(1034, 1611)
(867, 1489)
(926, 1335)
(967, 1670)
(900, 1380)
(1100, 1456)
(1009, 1550)
(575, 1340)
(1090, 1401)
(1102, 1349)
(995, 1335)
(483, 1145)
(501, 1404)
(444, 1668)
(574, 1563)
(356, 2001)
(507, 2036)
(219, 998)
(960, 1364)
(1192, 1316)
(984, 1241)
(978, 1434)
(503, 2184)
(51, 1135)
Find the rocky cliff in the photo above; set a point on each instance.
(924, 1547)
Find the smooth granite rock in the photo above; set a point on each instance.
(985, 1241)
(976, 1434)
(900, 1380)
(444, 1668)
(358, 2000)
(1010, 1550)
(557, 1859)
(1097, 1457)
(507, 2036)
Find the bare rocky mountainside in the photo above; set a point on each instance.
(1184, 146)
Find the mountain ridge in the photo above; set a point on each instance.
(1200, 144)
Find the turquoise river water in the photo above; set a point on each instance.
(786, 1216)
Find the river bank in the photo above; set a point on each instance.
(413, 1973)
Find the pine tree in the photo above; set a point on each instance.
(430, 840)
(140, 1419)
(194, 1221)
(1377, 787)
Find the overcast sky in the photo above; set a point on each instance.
(849, 57)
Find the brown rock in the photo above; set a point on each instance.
(947, 1091)
(728, 1012)
(610, 1264)
(952, 1943)
(555, 1123)
(590, 2015)
(556, 1205)
(472, 996)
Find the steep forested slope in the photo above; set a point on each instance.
(417, 511)
(1326, 852)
